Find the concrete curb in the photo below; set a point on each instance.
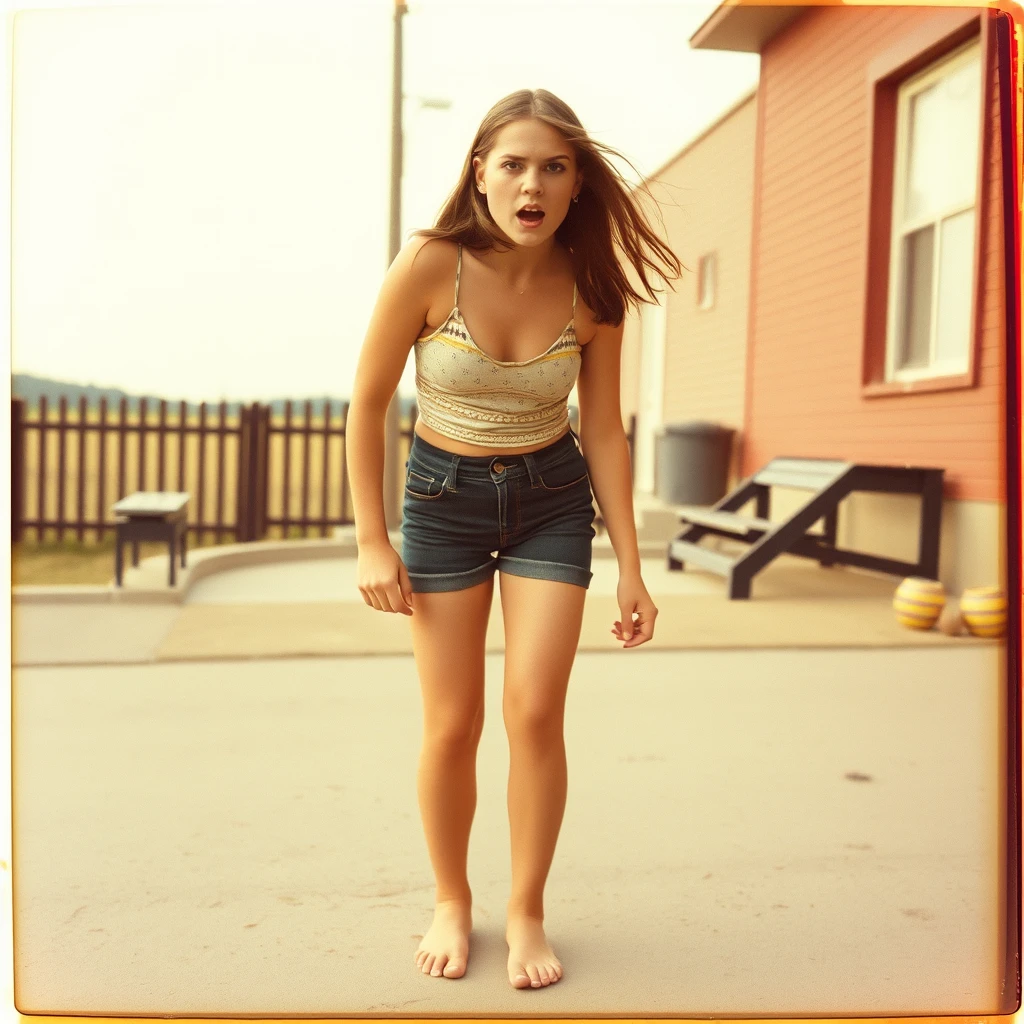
(147, 582)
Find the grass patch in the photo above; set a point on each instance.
(50, 562)
(59, 563)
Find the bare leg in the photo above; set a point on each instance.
(542, 628)
(452, 683)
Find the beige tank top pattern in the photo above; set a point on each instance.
(465, 394)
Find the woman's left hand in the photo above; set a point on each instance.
(633, 598)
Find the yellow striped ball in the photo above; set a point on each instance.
(918, 602)
(984, 610)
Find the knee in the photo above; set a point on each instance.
(454, 733)
(534, 721)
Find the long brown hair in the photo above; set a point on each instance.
(607, 216)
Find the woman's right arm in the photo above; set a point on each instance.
(395, 323)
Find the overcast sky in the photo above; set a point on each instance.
(200, 191)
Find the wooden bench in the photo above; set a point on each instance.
(150, 515)
(829, 481)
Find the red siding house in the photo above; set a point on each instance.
(843, 226)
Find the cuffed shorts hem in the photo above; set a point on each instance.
(441, 582)
(532, 568)
(560, 572)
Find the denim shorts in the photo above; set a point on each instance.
(530, 514)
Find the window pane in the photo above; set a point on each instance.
(914, 330)
(953, 327)
(943, 137)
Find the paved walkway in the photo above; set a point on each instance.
(748, 833)
(780, 810)
(310, 606)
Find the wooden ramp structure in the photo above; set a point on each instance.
(828, 481)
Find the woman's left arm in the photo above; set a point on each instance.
(606, 451)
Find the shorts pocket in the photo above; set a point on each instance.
(422, 484)
(564, 474)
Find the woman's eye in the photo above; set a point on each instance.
(514, 163)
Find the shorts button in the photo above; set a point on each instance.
(498, 467)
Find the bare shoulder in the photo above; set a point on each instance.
(429, 260)
(414, 280)
(403, 303)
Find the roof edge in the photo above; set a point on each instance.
(745, 27)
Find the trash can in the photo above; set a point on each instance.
(692, 463)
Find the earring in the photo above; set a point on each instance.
(576, 198)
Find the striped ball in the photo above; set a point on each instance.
(984, 610)
(918, 602)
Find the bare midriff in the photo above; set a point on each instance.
(450, 444)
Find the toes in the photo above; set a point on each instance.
(455, 968)
(428, 962)
(531, 970)
(544, 974)
(439, 965)
(520, 979)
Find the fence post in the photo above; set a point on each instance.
(257, 470)
(243, 518)
(17, 468)
(253, 471)
(261, 469)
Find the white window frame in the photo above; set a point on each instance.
(968, 53)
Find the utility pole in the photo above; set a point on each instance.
(392, 508)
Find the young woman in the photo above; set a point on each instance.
(497, 479)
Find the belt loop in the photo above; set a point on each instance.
(579, 443)
(453, 474)
(531, 468)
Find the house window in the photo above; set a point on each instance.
(928, 331)
(707, 280)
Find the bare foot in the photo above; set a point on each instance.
(531, 961)
(444, 950)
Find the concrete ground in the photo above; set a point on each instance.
(800, 828)
(300, 598)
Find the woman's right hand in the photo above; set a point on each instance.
(383, 579)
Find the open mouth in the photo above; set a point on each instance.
(530, 216)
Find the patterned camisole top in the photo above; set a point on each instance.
(465, 394)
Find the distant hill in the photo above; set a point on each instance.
(30, 388)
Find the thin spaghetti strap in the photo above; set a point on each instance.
(458, 274)
(574, 300)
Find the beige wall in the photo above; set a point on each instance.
(971, 547)
(705, 194)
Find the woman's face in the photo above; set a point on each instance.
(530, 164)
